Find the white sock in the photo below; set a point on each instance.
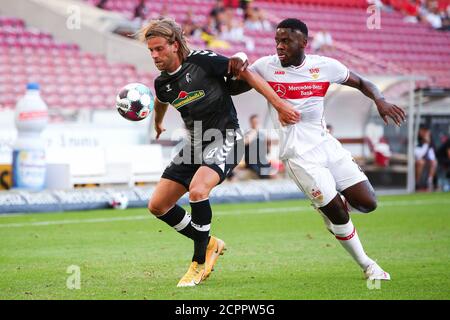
(347, 236)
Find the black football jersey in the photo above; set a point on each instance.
(199, 92)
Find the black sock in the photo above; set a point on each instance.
(201, 222)
(180, 220)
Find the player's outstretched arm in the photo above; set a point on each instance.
(159, 110)
(237, 87)
(237, 64)
(369, 89)
(286, 112)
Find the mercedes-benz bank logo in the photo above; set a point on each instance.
(279, 89)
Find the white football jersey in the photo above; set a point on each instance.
(304, 87)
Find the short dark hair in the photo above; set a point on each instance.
(253, 116)
(294, 24)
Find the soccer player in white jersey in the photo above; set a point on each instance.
(315, 160)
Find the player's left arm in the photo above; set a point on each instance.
(236, 87)
(369, 89)
(286, 112)
(237, 64)
(220, 66)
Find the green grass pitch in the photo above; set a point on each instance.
(276, 250)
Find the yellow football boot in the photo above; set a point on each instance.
(193, 276)
(215, 248)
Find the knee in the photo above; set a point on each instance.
(198, 192)
(156, 208)
(433, 164)
(367, 206)
(420, 163)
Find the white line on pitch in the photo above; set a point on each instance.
(279, 210)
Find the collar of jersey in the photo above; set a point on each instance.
(301, 65)
(172, 73)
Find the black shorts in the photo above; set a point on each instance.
(221, 155)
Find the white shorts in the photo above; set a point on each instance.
(323, 171)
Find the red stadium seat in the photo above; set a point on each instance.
(69, 78)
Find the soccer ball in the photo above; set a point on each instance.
(118, 201)
(134, 101)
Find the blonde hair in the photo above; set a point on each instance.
(168, 29)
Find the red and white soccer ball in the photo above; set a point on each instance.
(134, 101)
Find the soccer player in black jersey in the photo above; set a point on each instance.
(197, 84)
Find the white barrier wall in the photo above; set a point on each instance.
(108, 151)
(107, 128)
(103, 165)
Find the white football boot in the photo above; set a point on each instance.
(374, 272)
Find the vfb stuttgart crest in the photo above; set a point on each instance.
(314, 72)
(279, 89)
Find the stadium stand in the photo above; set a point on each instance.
(69, 78)
(72, 79)
(397, 47)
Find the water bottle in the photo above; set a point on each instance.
(31, 118)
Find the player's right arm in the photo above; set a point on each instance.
(159, 110)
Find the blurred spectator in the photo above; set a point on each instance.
(256, 149)
(432, 12)
(432, 16)
(322, 41)
(213, 42)
(445, 15)
(190, 28)
(231, 3)
(212, 28)
(216, 19)
(443, 158)
(265, 23)
(383, 5)
(382, 153)
(411, 11)
(217, 9)
(425, 160)
(255, 20)
(435, 15)
(140, 11)
(101, 4)
(222, 26)
(233, 30)
(243, 4)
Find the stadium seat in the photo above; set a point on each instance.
(55, 64)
